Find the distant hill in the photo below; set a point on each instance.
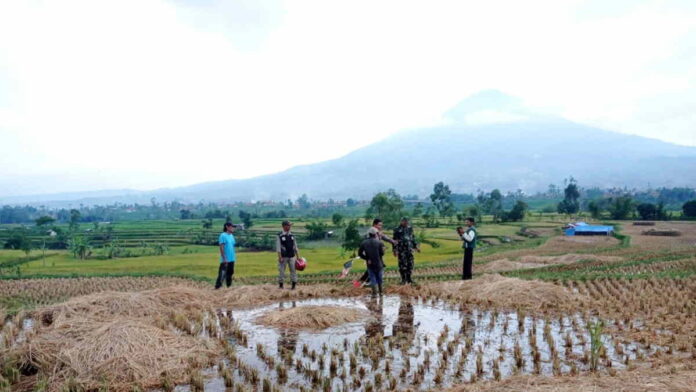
(522, 155)
(492, 142)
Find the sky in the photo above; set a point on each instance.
(160, 93)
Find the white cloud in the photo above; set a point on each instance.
(147, 86)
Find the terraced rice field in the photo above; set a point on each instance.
(589, 313)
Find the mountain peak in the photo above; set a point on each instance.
(487, 107)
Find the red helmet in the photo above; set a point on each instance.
(300, 264)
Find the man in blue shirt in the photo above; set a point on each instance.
(227, 255)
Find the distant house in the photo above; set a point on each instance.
(582, 228)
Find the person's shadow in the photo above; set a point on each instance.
(374, 327)
(404, 328)
(287, 341)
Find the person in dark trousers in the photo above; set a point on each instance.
(468, 235)
(227, 255)
(376, 229)
(286, 246)
(403, 250)
(371, 250)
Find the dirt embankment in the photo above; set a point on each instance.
(665, 378)
(532, 261)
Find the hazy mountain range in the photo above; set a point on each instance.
(490, 143)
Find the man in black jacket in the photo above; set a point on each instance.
(371, 250)
(376, 229)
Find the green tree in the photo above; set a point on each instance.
(74, 220)
(337, 219)
(207, 223)
(417, 209)
(185, 214)
(430, 217)
(621, 207)
(26, 247)
(689, 209)
(661, 213)
(113, 249)
(79, 247)
(518, 211)
(44, 220)
(595, 209)
(351, 202)
(492, 203)
(570, 204)
(351, 237)
(316, 230)
(647, 211)
(160, 249)
(303, 202)
(386, 206)
(246, 219)
(474, 212)
(18, 239)
(442, 200)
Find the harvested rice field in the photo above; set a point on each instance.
(585, 313)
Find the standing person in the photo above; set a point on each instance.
(468, 235)
(286, 246)
(376, 229)
(377, 226)
(371, 250)
(403, 250)
(227, 255)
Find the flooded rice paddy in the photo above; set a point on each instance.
(407, 343)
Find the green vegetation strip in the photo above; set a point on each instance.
(110, 275)
(15, 262)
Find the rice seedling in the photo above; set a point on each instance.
(479, 362)
(196, 381)
(167, 382)
(556, 366)
(266, 385)
(378, 380)
(519, 358)
(595, 329)
(496, 370)
(282, 374)
(326, 385)
(228, 378)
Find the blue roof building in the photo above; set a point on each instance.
(582, 228)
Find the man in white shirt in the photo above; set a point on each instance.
(468, 235)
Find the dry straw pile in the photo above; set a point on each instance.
(121, 339)
(245, 296)
(311, 317)
(501, 292)
(116, 339)
(118, 353)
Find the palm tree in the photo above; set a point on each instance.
(79, 247)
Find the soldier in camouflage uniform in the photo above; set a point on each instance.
(403, 250)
